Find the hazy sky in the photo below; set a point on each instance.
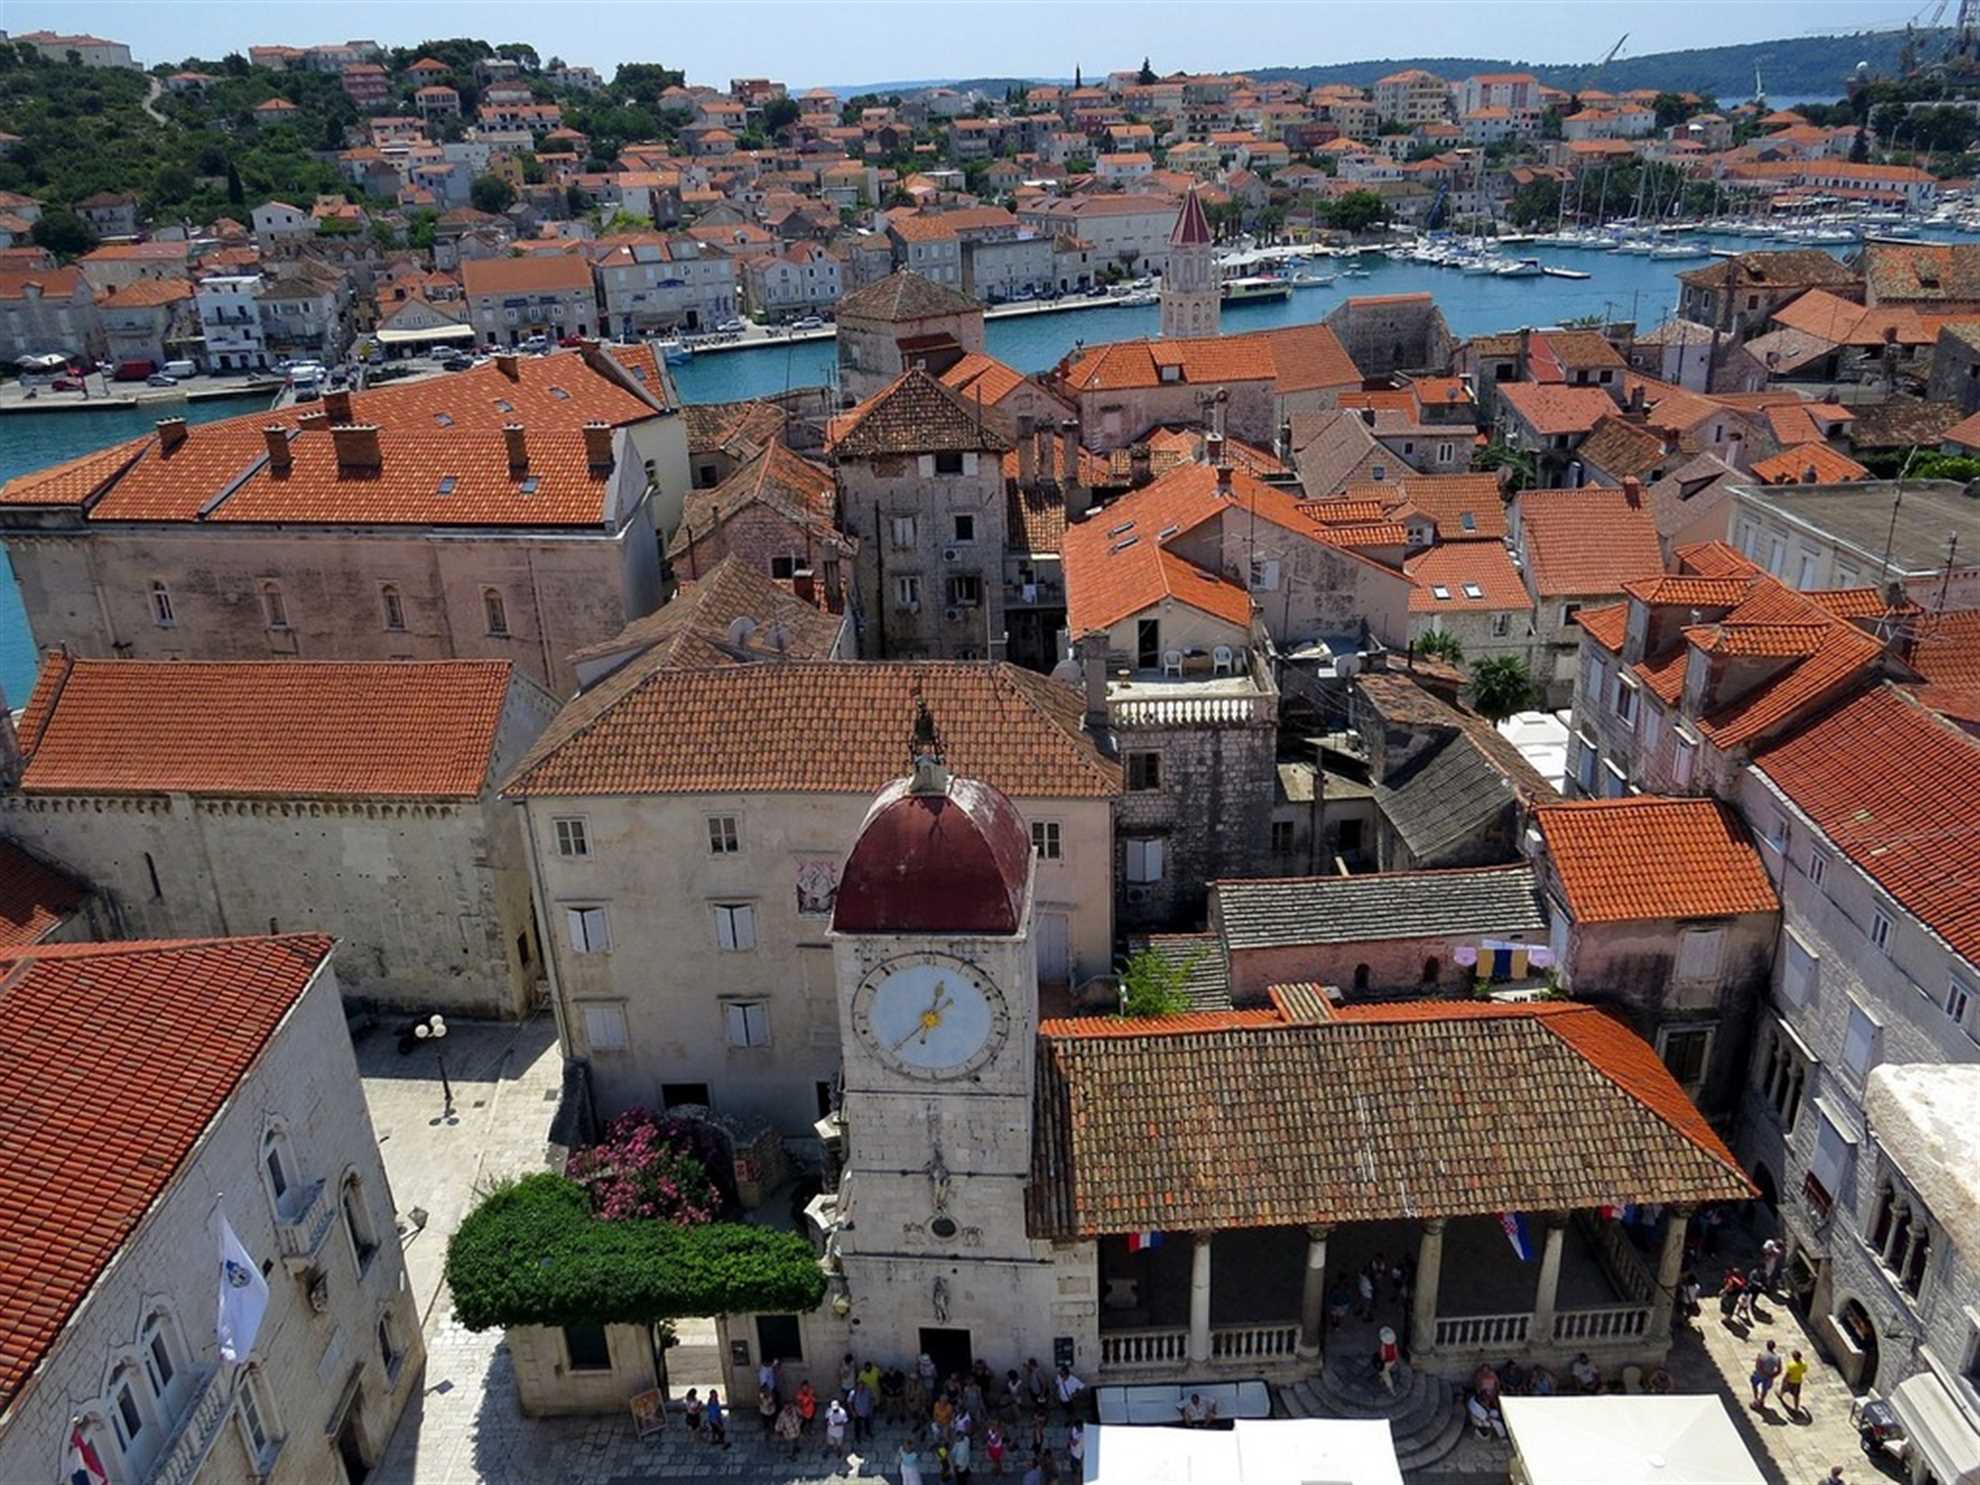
(828, 42)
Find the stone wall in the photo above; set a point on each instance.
(1395, 965)
(1399, 333)
(306, 1362)
(1115, 417)
(756, 535)
(547, 1385)
(876, 491)
(1213, 811)
(1315, 590)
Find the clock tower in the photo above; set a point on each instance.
(938, 1016)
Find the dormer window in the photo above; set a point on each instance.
(1439, 592)
(528, 486)
(443, 420)
(560, 394)
(446, 485)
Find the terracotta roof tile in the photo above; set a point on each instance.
(1893, 787)
(738, 429)
(537, 274)
(1551, 409)
(1649, 857)
(905, 296)
(1946, 650)
(1606, 625)
(34, 897)
(1465, 507)
(1714, 559)
(1701, 592)
(803, 493)
(693, 626)
(82, 1169)
(1242, 1126)
(327, 728)
(73, 481)
(982, 378)
(1460, 567)
(1809, 464)
(913, 414)
(1589, 541)
(1620, 447)
(808, 727)
(1787, 624)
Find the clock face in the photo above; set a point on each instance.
(930, 1016)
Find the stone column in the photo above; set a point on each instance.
(1429, 1267)
(1670, 1269)
(1199, 1299)
(1547, 1295)
(1313, 1291)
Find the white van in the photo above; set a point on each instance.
(179, 370)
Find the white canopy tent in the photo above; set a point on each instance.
(1938, 1429)
(1275, 1451)
(1629, 1439)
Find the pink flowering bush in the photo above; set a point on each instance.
(648, 1166)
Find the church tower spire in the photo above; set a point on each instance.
(1192, 298)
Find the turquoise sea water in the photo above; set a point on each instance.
(1628, 287)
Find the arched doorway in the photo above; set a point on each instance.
(1769, 1192)
(1862, 1332)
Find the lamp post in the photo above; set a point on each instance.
(434, 1029)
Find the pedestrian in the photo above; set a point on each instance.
(770, 1378)
(914, 1397)
(943, 1415)
(693, 1409)
(942, 1458)
(1729, 1292)
(1339, 1300)
(847, 1373)
(1069, 1389)
(924, 1367)
(960, 1458)
(910, 1462)
(1076, 1449)
(862, 1409)
(835, 1427)
(870, 1375)
(1038, 1431)
(893, 1393)
(1365, 1285)
(1194, 1413)
(1756, 1285)
(807, 1403)
(790, 1425)
(1791, 1379)
(993, 1447)
(1034, 1473)
(1036, 1388)
(718, 1426)
(973, 1400)
(1833, 1477)
(1766, 1367)
(766, 1408)
(965, 1423)
(1771, 1254)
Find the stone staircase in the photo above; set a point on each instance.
(1425, 1414)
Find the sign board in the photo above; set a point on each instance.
(649, 1413)
(1062, 1350)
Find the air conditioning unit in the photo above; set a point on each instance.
(953, 615)
(952, 554)
(1137, 894)
(1521, 997)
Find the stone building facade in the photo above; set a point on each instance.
(285, 1135)
(275, 797)
(902, 321)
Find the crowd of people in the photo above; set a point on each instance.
(957, 1426)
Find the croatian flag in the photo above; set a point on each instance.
(1515, 1225)
(243, 1297)
(85, 1464)
(1141, 1242)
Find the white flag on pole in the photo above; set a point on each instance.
(243, 1296)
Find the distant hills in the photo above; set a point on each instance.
(1792, 67)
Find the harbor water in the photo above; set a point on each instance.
(1619, 287)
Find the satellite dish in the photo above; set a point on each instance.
(740, 631)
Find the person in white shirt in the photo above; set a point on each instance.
(1069, 1388)
(1193, 1412)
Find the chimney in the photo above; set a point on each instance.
(313, 419)
(277, 439)
(1282, 449)
(1213, 449)
(357, 448)
(804, 586)
(1636, 399)
(171, 433)
(512, 434)
(1027, 452)
(1141, 468)
(1633, 492)
(597, 446)
(1092, 651)
(1069, 453)
(510, 365)
(1525, 341)
(1041, 447)
(1368, 416)
(338, 405)
(1224, 481)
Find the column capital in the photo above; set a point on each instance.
(1319, 1232)
(1434, 1225)
(1203, 1234)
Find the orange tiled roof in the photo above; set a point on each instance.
(1459, 568)
(1946, 650)
(541, 274)
(812, 727)
(1589, 541)
(83, 1169)
(1300, 358)
(912, 414)
(1701, 592)
(1714, 559)
(803, 493)
(1552, 408)
(1649, 857)
(1840, 656)
(1893, 787)
(1606, 625)
(34, 897)
(977, 376)
(73, 481)
(328, 728)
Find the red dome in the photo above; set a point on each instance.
(927, 862)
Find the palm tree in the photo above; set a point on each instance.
(1441, 644)
(1500, 687)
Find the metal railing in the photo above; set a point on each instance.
(1607, 1323)
(1483, 1330)
(1242, 1342)
(1124, 1348)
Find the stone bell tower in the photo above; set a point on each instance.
(1192, 294)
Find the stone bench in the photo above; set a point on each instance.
(1146, 1403)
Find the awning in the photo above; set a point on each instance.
(1938, 1429)
(438, 332)
(1632, 1439)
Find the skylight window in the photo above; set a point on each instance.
(1468, 521)
(560, 394)
(502, 404)
(529, 485)
(443, 420)
(447, 483)
(1122, 546)
(1125, 526)
(1439, 592)
(1472, 590)
(1167, 531)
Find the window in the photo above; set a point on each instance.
(965, 528)
(907, 592)
(1144, 858)
(1378, 471)
(604, 1026)
(1835, 1154)
(1800, 967)
(128, 1404)
(949, 461)
(274, 608)
(1687, 1052)
(1810, 569)
(1585, 757)
(495, 612)
(1045, 839)
(160, 1363)
(735, 926)
(966, 590)
(723, 837)
(903, 532)
(1264, 575)
(1860, 1042)
(1959, 1000)
(573, 837)
(1144, 772)
(390, 1353)
(1783, 1070)
(1615, 784)
(588, 930)
(778, 1338)
(1818, 864)
(1777, 832)
(280, 1168)
(1880, 931)
(254, 1415)
(1501, 625)
(747, 1023)
(1699, 953)
(395, 609)
(1626, 701)
(587, 1348)
(161, 606)
(357, 1224)
(1685, 761)
(1282, 837)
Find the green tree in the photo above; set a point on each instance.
(575, 201)
(1500, 686)
(1859, 148)
(1441, 644)
(1357, 211)
(520, 51)
(61, 231)
(1147, 74)
(779, 114)
(1153, 984)
(491, 193)
(1079, 80)
(236, 193)
(1536, 201)
(1671, 110)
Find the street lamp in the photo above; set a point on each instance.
(434, 1029)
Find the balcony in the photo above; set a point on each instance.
(302, 1232)
(205, 1415)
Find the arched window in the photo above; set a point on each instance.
(161, 606)
(394, 606)
(496, 612)
(274, 607)
(164, 1362)
(133, 1416)
(390, 1353)
(1921, 1251)
(1360, 977)
(280, 1173)
(357, 1224)
(1433, 970)
(258, 1426)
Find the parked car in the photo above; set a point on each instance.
(160, 379)
(730, 326)
(536, 345)
(570, 341)
(456, 362)
(809, 322)
(68, 384)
